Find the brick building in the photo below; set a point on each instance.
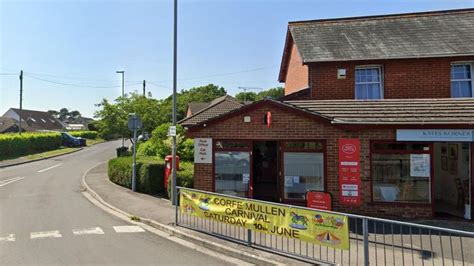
(378, 113)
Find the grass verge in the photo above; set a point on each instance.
(91, 142)
(42, 155)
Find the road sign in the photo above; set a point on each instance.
(134, 122)
(172, 131)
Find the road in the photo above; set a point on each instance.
(44, 219)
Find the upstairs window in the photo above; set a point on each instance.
(368, 83)
(461, 80)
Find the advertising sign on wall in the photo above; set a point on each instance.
(318, 200)
(325, 229)
(202, 150)
(349, 171)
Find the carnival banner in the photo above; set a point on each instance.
(322, 228)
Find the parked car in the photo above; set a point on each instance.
(70, 141)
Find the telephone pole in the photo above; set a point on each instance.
(175, 73)
(144, 85)
(21, 99)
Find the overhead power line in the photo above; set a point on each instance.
(78, 85)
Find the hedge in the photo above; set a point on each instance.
(14, 145)
(84, 134)
(149, 174)
(184, 176)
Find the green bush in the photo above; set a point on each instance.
(146, 149)
(160, 144)
(149, 174)
(14, 145)
(185, 176)
(84, 134)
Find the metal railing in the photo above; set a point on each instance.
(374, 241)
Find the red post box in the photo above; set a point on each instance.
(168, 166)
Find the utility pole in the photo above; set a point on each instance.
(123, 95)
(21, 100)
(175, 61)
(144, 85)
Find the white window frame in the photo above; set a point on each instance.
(471, 65)
(381, 72)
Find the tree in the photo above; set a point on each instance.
(113, 117)
(74, 114)
(196, 94)
(273, 93)
(249, 96)
(53, 113)
(63, 114)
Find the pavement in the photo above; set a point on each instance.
(159, 213)
(45, 219)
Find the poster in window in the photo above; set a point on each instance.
(420, 165)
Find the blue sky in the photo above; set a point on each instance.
(230, 43)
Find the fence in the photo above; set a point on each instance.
(372, 241)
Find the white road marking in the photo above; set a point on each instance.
(47, 234)
(9, 238)
(88, 231)
(128, 229)
(11, 180)
(49, 168)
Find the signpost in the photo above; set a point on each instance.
(349, 171)
(134, 124)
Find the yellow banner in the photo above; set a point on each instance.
(325, 229)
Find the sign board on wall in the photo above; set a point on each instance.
(456, 135)
(349, 171)
(202, 150)
(318, 200)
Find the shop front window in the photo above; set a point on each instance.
(232, 173)
(303, 171)
(402, 175)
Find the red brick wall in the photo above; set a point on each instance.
(403, 78)
(290, 125)
(297, 73)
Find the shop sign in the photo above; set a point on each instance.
(318, 200)
(321, 228)
(349, 171)
(455, 135)
(202, 150)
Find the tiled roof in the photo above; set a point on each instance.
(195, 107)
(39, 120)
(217, 107)
(428, 34)
(6, 124)
(392, 111)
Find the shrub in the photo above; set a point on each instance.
(146, 149)
(185, 176)
(149, 174)
(13, 145)
(84, 134)
(160, 143)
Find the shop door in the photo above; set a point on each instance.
(265, 170)
(452, 179)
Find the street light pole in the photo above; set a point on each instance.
(175, 61)
(123, 95)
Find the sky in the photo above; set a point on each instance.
(69, 50)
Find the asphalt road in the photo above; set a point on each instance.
(44, 219)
